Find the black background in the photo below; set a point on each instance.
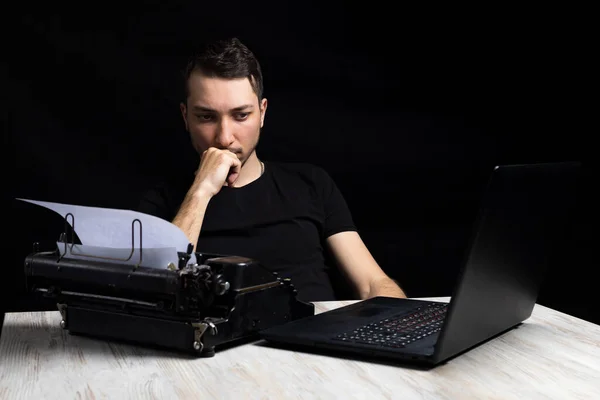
(408, 110)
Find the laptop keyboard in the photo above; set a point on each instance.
(401, 330)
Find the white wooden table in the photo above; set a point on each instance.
(551, 356)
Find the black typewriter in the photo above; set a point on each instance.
(196, 307)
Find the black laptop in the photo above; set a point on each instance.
(524, 212)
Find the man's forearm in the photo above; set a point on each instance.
(385, 287)
(190, 216)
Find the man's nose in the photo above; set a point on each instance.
(224, 137)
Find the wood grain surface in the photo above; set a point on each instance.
(550, 356)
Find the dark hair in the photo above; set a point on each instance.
(228, 59)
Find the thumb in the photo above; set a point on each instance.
(232, 177)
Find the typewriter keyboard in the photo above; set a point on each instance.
(401, 330)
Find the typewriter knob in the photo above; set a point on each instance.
(221, 286)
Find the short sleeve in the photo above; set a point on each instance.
(337, 215)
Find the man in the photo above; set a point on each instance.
(290, 217)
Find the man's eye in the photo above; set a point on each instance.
(242, 116)
(204, 117)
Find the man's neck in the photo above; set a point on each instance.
(250, 172)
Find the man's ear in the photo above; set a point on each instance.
(184, 114)
(263, 111)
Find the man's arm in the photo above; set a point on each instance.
(217, 167)
(356, 262)
(190, 216)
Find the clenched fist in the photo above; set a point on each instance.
(217, 168)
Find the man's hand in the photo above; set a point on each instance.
(217, 168)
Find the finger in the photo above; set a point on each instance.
(232, 177)
(232, 158)
(203, 157)
(231, 154)
(234, 171)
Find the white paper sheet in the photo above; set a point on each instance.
(100, 227)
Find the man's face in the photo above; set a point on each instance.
(223, 113)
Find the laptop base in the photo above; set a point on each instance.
(322, 331)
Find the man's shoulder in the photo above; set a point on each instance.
(168, 191)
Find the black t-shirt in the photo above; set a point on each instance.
(282, 220)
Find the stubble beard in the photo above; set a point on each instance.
(253, 149)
